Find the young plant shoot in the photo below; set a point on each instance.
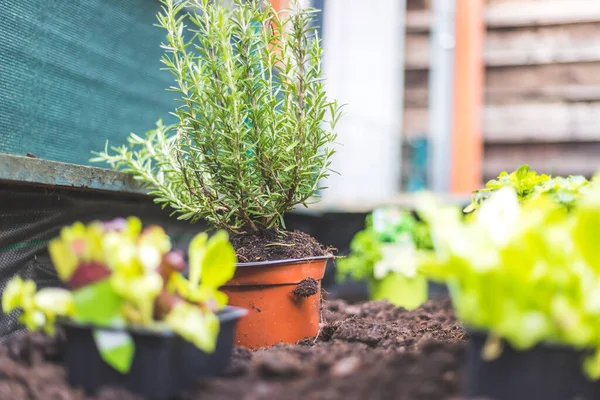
(384, 254)
(254, 128)
(529, 184)
(527, 272)
(119, 275)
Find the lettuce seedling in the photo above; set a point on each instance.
(383, 226)
(212, 264)
(118, 274)
(384, 254)
(39, 308)
(529, 184)
(527, 272)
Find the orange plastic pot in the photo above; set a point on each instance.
(275, 313)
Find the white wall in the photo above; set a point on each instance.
(363, 64)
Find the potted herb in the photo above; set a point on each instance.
(529, 184)
(253, 139)
(129, 315)
(525, 278)
(383, 254)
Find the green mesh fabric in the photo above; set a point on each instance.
(76, 73)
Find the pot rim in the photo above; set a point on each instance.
(227, 314)
(283, 261)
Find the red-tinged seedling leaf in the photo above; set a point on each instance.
(173, 261)
(86, 274)
(164, 303)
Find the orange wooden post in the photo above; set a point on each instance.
(279, 4)
(469, 67)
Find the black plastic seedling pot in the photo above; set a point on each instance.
(437, 290)
(163, 365)
(545, 372)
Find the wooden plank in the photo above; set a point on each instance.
(418, 5)
(34, 171)
(535, 76)
(419, 97)
(521, 14)
(543, 45)
(529, 122)
(543, 83)
(528, 46)
(509, 57)
(416, 98)
(416, 79)
(419, 60)
(562, 93)
(560, 159)
(416, 52)
(542, 13)
(552, 122)
(415, 122)
(418, 21)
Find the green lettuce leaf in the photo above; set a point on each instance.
(196, 252)
(39, 309)
(139, 292)
(212, 261)
(384, 226)
(400, 290)
(198, 326)
(97, 304)
(218, 263)
(529, 185)
(116, 348)
(524, 271)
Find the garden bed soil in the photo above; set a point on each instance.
(270, 245)
(369, 351)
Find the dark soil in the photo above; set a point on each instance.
(367, 351)
(306, 288)
(269, 245)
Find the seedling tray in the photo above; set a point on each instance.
(163, 365)
(545, 372)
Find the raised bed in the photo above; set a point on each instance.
(371, 350)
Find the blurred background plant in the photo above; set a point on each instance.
(383, 254)
(529, 184)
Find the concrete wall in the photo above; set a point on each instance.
(363, 64)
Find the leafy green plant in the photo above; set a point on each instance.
(118, 274)
(384, 253)
(387, 225)
(529, 184)
(527, 272)
(250, 141)
(365, 252)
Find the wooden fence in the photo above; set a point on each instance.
(542, 92)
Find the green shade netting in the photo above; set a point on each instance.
(76, 73)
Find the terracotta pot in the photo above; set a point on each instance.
(275, 313)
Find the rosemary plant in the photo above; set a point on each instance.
(254, 130)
